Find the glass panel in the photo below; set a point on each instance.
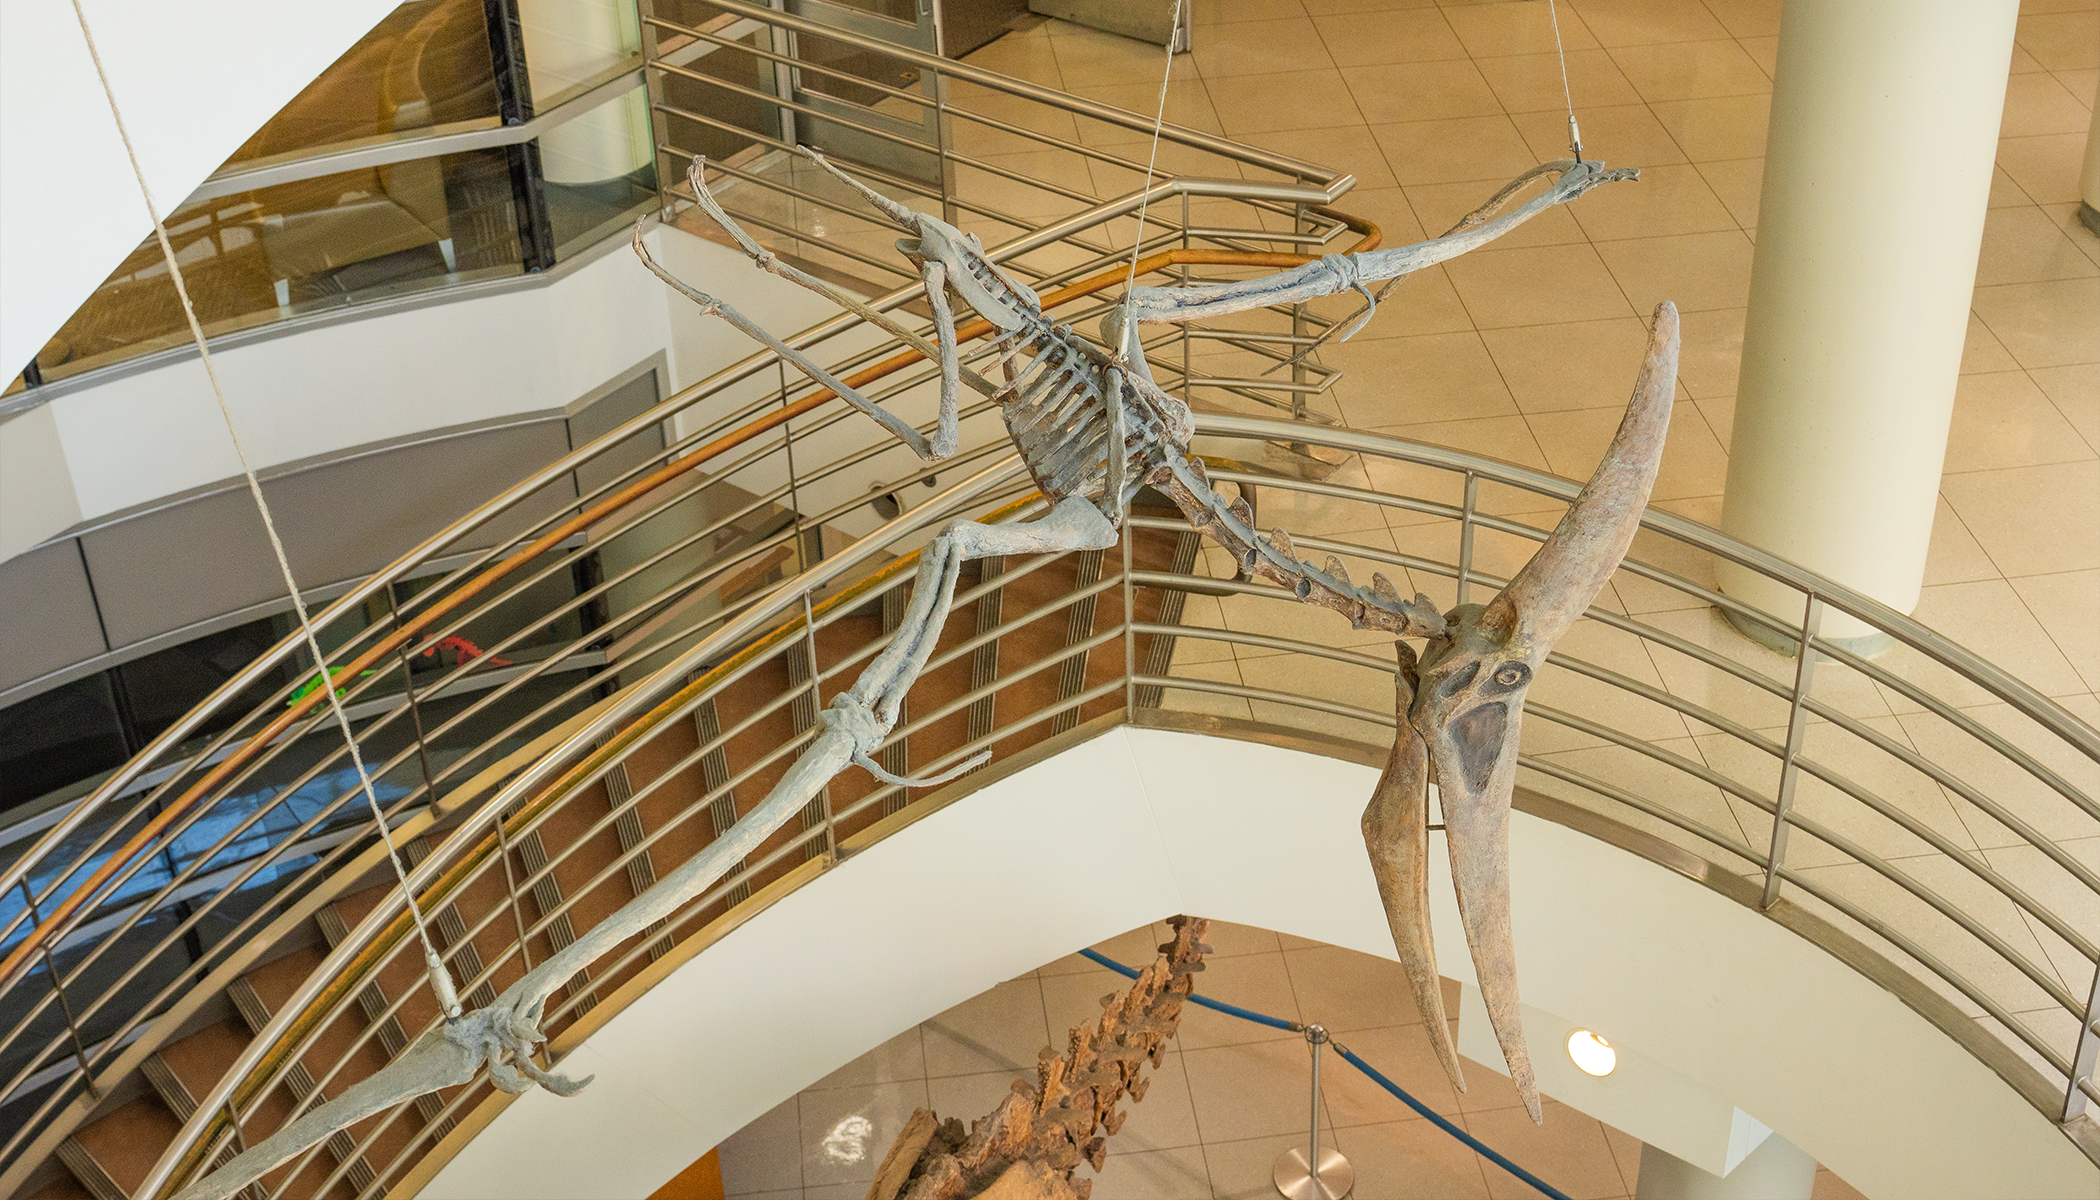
(316, 244)
(600, 170)
(906, 11)
(55, 738)
(425, 65)
(865, 64)
(573, 45)
(162, 687)
(479, 636)
(737, 110)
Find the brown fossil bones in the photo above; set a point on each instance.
(1093, 427)
(1029, 1146)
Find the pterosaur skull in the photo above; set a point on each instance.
(1462, 708)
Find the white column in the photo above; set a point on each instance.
(1877, 172)
(1776, 1170)
(2089, 179)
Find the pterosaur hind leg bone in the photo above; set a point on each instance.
(504, 1036)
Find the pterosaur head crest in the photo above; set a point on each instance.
(1469, 702)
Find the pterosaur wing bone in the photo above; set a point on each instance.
(1336, 273)
(905, 218)
(898, 427)
(944, 354)
(1558, 584)
(433, 1063)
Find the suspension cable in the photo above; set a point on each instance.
(1159, 120)
(440, 979)
(1567, 93)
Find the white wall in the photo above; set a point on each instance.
(1261, 836)
(158, 432)
(194, 80)
(36, 486)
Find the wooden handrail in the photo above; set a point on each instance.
(18, 959)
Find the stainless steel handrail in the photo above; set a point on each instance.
(1940, 962)
(1049, 97)
(752, 365)
(170, 769)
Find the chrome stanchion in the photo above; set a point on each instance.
(1313, 1173)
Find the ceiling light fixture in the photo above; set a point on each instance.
(1592, 1054)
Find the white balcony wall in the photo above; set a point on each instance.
(193, 80)
(155, 433)
(1257, 835)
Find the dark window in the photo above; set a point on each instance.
(53, 739)
(161, 687)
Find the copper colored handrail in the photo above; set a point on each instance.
(19, 958)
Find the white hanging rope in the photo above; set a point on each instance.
(1567, 93)
(1159, 121)
(440, 979)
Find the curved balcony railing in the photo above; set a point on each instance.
(1784, 785)
(1909, 813)
(137, 903)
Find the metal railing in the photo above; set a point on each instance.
(1782, 816)
(137, 903)
(1907, 812)
(740, 89)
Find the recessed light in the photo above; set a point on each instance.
(1592, 1054)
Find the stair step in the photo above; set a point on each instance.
(87, 1172)
(114, 1152)
(300, 1082)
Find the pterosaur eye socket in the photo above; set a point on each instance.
(1510, 675)
(1460, 680)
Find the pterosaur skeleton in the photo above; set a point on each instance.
(1093, 427)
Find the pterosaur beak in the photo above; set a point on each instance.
(1468, 707)
(1396, 832)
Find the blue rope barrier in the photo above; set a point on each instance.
(1349, 1056)
(1492, 1156)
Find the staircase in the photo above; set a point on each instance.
(665, 554)
(1056, 657)
(726, 586)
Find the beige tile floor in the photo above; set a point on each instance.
(1522, 351)
(1230, 1096)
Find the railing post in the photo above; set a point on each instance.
(1184, 325)
(2086, 1059)
(940, 145)
(822, 803)
(1465, 537)
(1299, 224)
(803, 558)
(1796, 731)
(653, 84)
(415, 716)
(65, 1006)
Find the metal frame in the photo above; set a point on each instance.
(792, 598)
(158, 773)
(752, 632)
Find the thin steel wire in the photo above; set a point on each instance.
(439, 981)
(1568, 94)
(1159, 121)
